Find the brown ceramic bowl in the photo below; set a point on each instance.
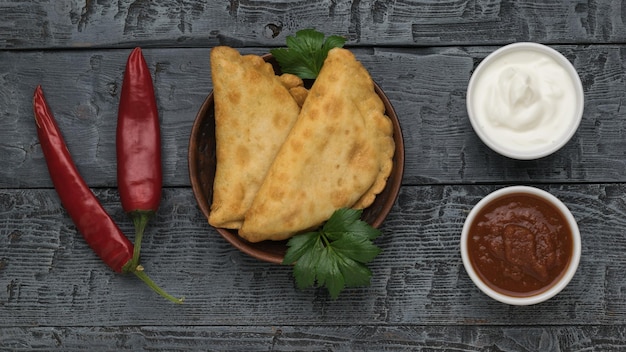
(202, 171)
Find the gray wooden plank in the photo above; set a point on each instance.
(285, 337)
(426, 86)
(72, 24)
(49, 277)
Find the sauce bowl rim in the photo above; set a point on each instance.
(572, 265)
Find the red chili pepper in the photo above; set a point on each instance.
(138, 142)
(96, 226)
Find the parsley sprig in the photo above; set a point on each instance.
(306, 52)
(335, 255)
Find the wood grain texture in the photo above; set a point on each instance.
(56, 295)
(426, 87)
(81, 24)
(590, 338)
(52, 278)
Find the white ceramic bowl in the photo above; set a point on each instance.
(569, 270)
(500, 105)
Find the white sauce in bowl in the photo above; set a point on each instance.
(525, 100)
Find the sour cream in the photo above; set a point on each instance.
(525, 100)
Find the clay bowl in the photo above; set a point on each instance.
(202, 162)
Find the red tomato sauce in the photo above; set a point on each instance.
(519, 245)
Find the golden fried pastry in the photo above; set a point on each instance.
(296, 88)
(299, 94)
(338, 154)
(254, 113)
(289, 80)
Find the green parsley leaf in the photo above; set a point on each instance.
(328, 273)
(355, 274)
(306, 52)
(334, 256)
(349, 221)
(356, 247)
(300, 245)
(304, 250)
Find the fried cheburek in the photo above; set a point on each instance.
(254, 113)
(338, 154)
(295, 86)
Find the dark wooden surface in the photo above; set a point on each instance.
(55, 295)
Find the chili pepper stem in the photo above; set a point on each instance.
(138, 271)
(140, 220)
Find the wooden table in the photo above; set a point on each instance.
(60, 296)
